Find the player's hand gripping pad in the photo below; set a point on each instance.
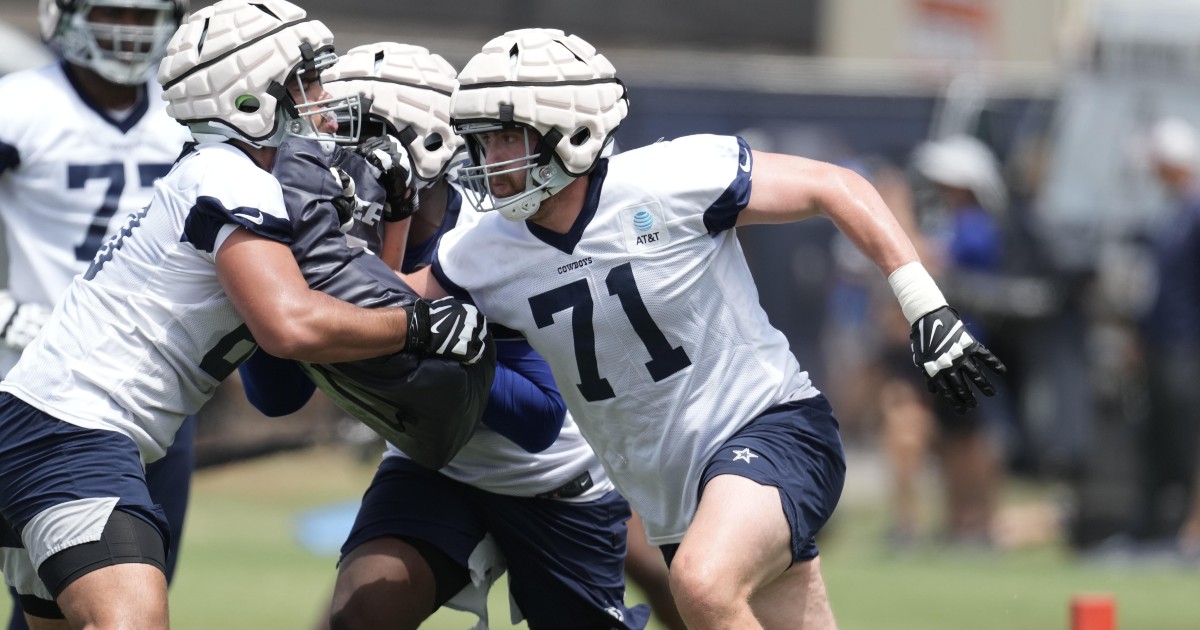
(391, 161)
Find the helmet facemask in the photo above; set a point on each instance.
(120, 53)
(556, 87)
(406, 95)
(543, 175)
(302, 117)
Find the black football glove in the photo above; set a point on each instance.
(346, 203)
(447, 327)
(949, 356)
(391, 161)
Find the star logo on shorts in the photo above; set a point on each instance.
(744, 455)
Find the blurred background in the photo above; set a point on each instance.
(1040, 153)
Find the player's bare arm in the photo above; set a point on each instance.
(788, 188)
(292, 321)
(423, 282)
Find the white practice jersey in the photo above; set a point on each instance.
(647, 313)
(492, 462)
(69, 175)
(142, 339)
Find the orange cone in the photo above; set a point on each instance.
(1094, 611)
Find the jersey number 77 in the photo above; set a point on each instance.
(78, 175)
(665, 360)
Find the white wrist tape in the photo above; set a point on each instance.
(915, 289)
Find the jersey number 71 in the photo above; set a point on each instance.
(577, 296)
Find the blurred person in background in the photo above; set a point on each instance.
(1170, 330)
(625, 273)
(86, 150)
(960, 237)
(525, 493)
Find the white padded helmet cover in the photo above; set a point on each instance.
(409, 87)
(552, 81)
(228, 50)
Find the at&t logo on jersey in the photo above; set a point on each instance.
(643, 221)
(644, 227)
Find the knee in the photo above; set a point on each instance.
(373, 606)
(703, 590)
(344, 618)
(354, 618)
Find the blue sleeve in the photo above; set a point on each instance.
(10, 157)
(524, 404)
(723, 213)
(275, 386)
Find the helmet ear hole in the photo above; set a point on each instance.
(580, 136)
(433, 141)
(247, 103)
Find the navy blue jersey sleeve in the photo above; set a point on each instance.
(10, 157)
(208, 215)
(723, 213)
(275, 386)
(524, 404)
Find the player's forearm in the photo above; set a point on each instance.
(858, 211)
(292, 321)
(322, 329)
(395, 243)
(524, 404)
(788, 188)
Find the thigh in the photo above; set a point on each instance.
(59, 484)
(405, 500)
(412, 538)
(789, 463)
(387, 582)
(565, 560)
(794, 449)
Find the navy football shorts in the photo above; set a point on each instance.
(59, 483)
(565, 560)
(797, 448)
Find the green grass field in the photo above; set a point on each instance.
(241, 566)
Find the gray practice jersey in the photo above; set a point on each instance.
(427, 406)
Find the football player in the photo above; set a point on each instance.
(625, 273)
(525, 491)
(169, 307)
(73, 167)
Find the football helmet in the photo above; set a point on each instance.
(119, 52)
(229, 67)
(538, 80)
(405, 92)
